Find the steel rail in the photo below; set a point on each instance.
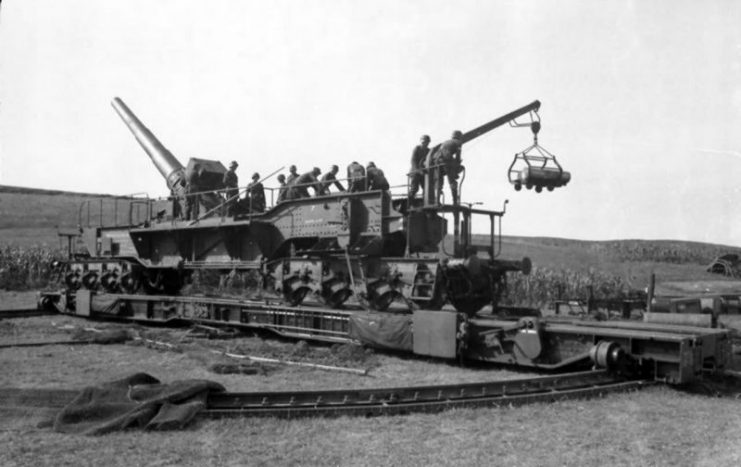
(25, 313)
(383, 401)
(390, 401)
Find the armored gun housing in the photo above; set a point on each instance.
(372, 245)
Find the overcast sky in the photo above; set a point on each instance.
(641, 100)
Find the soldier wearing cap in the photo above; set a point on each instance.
(231, 188)
(329, 179)
(300, 186)
(283, 190)
(448, 160)
(376, 178)
(416, 174)
(193, 185)
(355, 177)
(292, 174)
(256, 193)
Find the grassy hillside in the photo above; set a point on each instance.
(32, 217)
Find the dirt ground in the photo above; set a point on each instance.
(12, 300)
(657, 426)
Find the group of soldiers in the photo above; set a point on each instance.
(254, 198)
(444, 162)
(196, 187)
(359, 178)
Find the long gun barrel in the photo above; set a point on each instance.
(170, 168)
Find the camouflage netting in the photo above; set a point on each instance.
(138, 401)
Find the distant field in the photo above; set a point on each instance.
(32, 217)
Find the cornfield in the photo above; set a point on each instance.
(26, 268)
(544, 285)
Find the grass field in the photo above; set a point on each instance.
(657, 426)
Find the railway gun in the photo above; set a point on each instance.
(357, 267)
(369, 245)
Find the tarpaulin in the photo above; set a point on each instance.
(104, 303)
(137, 401)
(382, 330)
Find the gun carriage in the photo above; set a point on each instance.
(369, 244)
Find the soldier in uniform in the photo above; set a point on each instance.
(231, 184)
(416, 176)
(448, 160)
(330, 178)
(192, 189)
(283, 190)
(299, 188)
(256, 193)
(356, 177)
(292, 174)
(376, 178)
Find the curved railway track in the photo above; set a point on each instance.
(405, 400)
(371, 402)
(26, 312)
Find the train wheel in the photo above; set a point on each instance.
(90, 280)
(72, 280)
(295, 297)
(130, 283)
(109, 281)
(336, 299)
(383, 301)
(334, 294)
(469, 305)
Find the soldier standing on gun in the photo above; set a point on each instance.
(448, 160)
(376, 178)
(417, 177)
(356, 177)
(292, 175)
(256, 192)
(283, 190)
(192, 196)
(231, 184)
(331, 178)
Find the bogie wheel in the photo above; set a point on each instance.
(336, 299)
(72, 280)
(382, 302)
(469, 305)
(110, 283)
(295, 297)
(130, 282)
(90, 280)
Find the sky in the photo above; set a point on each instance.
(641, 100)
